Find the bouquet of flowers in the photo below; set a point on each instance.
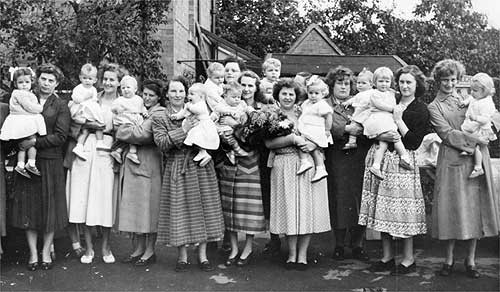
(277, 125)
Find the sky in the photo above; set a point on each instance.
(491, 8)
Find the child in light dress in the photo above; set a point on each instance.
(478, 117)
(24, 120)
(232, 107)
(214, 84)
(314, 124)
(380, 120)
(271, 68)
(361, 103)
(127, 109)
(204, 135)
(84, 108)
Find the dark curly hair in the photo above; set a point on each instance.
(155, 86)
(286, 83)
(340, 73)
(50, 69)
(417, 74)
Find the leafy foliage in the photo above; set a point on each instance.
(71, 33)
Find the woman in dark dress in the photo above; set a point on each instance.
(39, 204)
(345, 167)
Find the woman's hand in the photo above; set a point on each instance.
(354, 129)
(205, 160)
(481, 140)
(26, 144)
(228, 120)
(307, 146)
(397, 114)
(390, 136)
(189, 123)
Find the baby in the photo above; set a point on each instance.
(271, 68)
(361, 103)
(214, 84)
(204, 135)
(24, 120)
(84, 108)
(478, 117)
(314, 124)
(380, 120)
(127, 109)
(232, 107)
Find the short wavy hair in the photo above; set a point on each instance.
(286, 83)
(447, 67)
(340, 73)
(417, 74)
(155, 86)
(259, 96)
(49, 68)
(112, 67)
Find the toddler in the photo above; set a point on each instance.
(478, 116)
(24, 120)
(214, 84)
(271, 68)
(127, 109)
(314, 124)
(204, 135)
(360, 102)
(380, 120)
(84, 108)
(234, 108)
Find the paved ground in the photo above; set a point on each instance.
(262, 274)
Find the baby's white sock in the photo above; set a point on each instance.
(20, 164)
(31, 162)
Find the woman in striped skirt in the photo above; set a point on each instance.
(190, 208)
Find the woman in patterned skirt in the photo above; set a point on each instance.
(395, 206)
(190, 207)
(299, 208)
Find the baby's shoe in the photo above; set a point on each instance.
(100, 146)
(404, 163)
(238, 151)
(376, 172)
(117, 156)
(465, 153)
(133, 157)
(230, 155)
(348, 146)
(87, 259)
(320, 174)
(33, 169)
(305, 165)
(79, 152)
(200, 156)
(476, 172)
(22, 171)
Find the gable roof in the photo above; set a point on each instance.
(321, 64)
(314, 29)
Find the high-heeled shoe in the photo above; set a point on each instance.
(32, 266)
(471, 271)
(243, 262)
(144, 262)
(231, 261)
(446, 270)
(47, 265)
(131, 259)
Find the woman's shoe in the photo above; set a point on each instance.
(79, 252)
(87, 259)
(231, 261)
(206, 266)
(403, 270)
(144, 262)
(359, 253)
(471, 271)
(47, 265)
(338, 254)
(376, 172)
(181, 267)
(32, 266)
(446, 270)
(131, 259)
(109, 259)
(243, 262)
(380, 266)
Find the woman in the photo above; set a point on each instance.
(463, 208)
(395, 206)
(240, 186)
(299, 208)
(140, 184)
(190, 208)
(345, 167)
(91, 190)
(39, 203)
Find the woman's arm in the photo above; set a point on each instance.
(61, 127)
(136, 134)
(164, 136)
(449, 136)
(284, 141)
(24, 100)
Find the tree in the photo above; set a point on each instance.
(260, 26)
(71, 33)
